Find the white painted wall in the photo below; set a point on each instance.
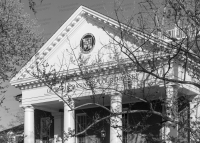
(37, 95)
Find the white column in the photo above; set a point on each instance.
(29, 132)
(116, 121)
(69, 122)
(170, 129)
(194, 117)
(58, 126)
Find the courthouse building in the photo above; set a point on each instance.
(88, 36)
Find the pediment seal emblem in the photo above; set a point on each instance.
(87, 43)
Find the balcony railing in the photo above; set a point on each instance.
(177, 33)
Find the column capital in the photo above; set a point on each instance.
(113, 93)
(70, 103)
(172, 85)
(27, 107)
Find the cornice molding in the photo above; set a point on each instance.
(75, 75)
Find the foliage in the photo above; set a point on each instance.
(19, 39)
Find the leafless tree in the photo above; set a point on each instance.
(170, 54)
(98, 82)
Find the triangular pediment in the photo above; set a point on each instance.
(86, 33)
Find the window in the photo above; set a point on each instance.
(125, 125)
(184, 118)
(81, 122)
(45, 129)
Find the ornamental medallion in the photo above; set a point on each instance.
(87, 43)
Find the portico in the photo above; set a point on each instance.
(66, 121)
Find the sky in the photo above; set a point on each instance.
(51, 14)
